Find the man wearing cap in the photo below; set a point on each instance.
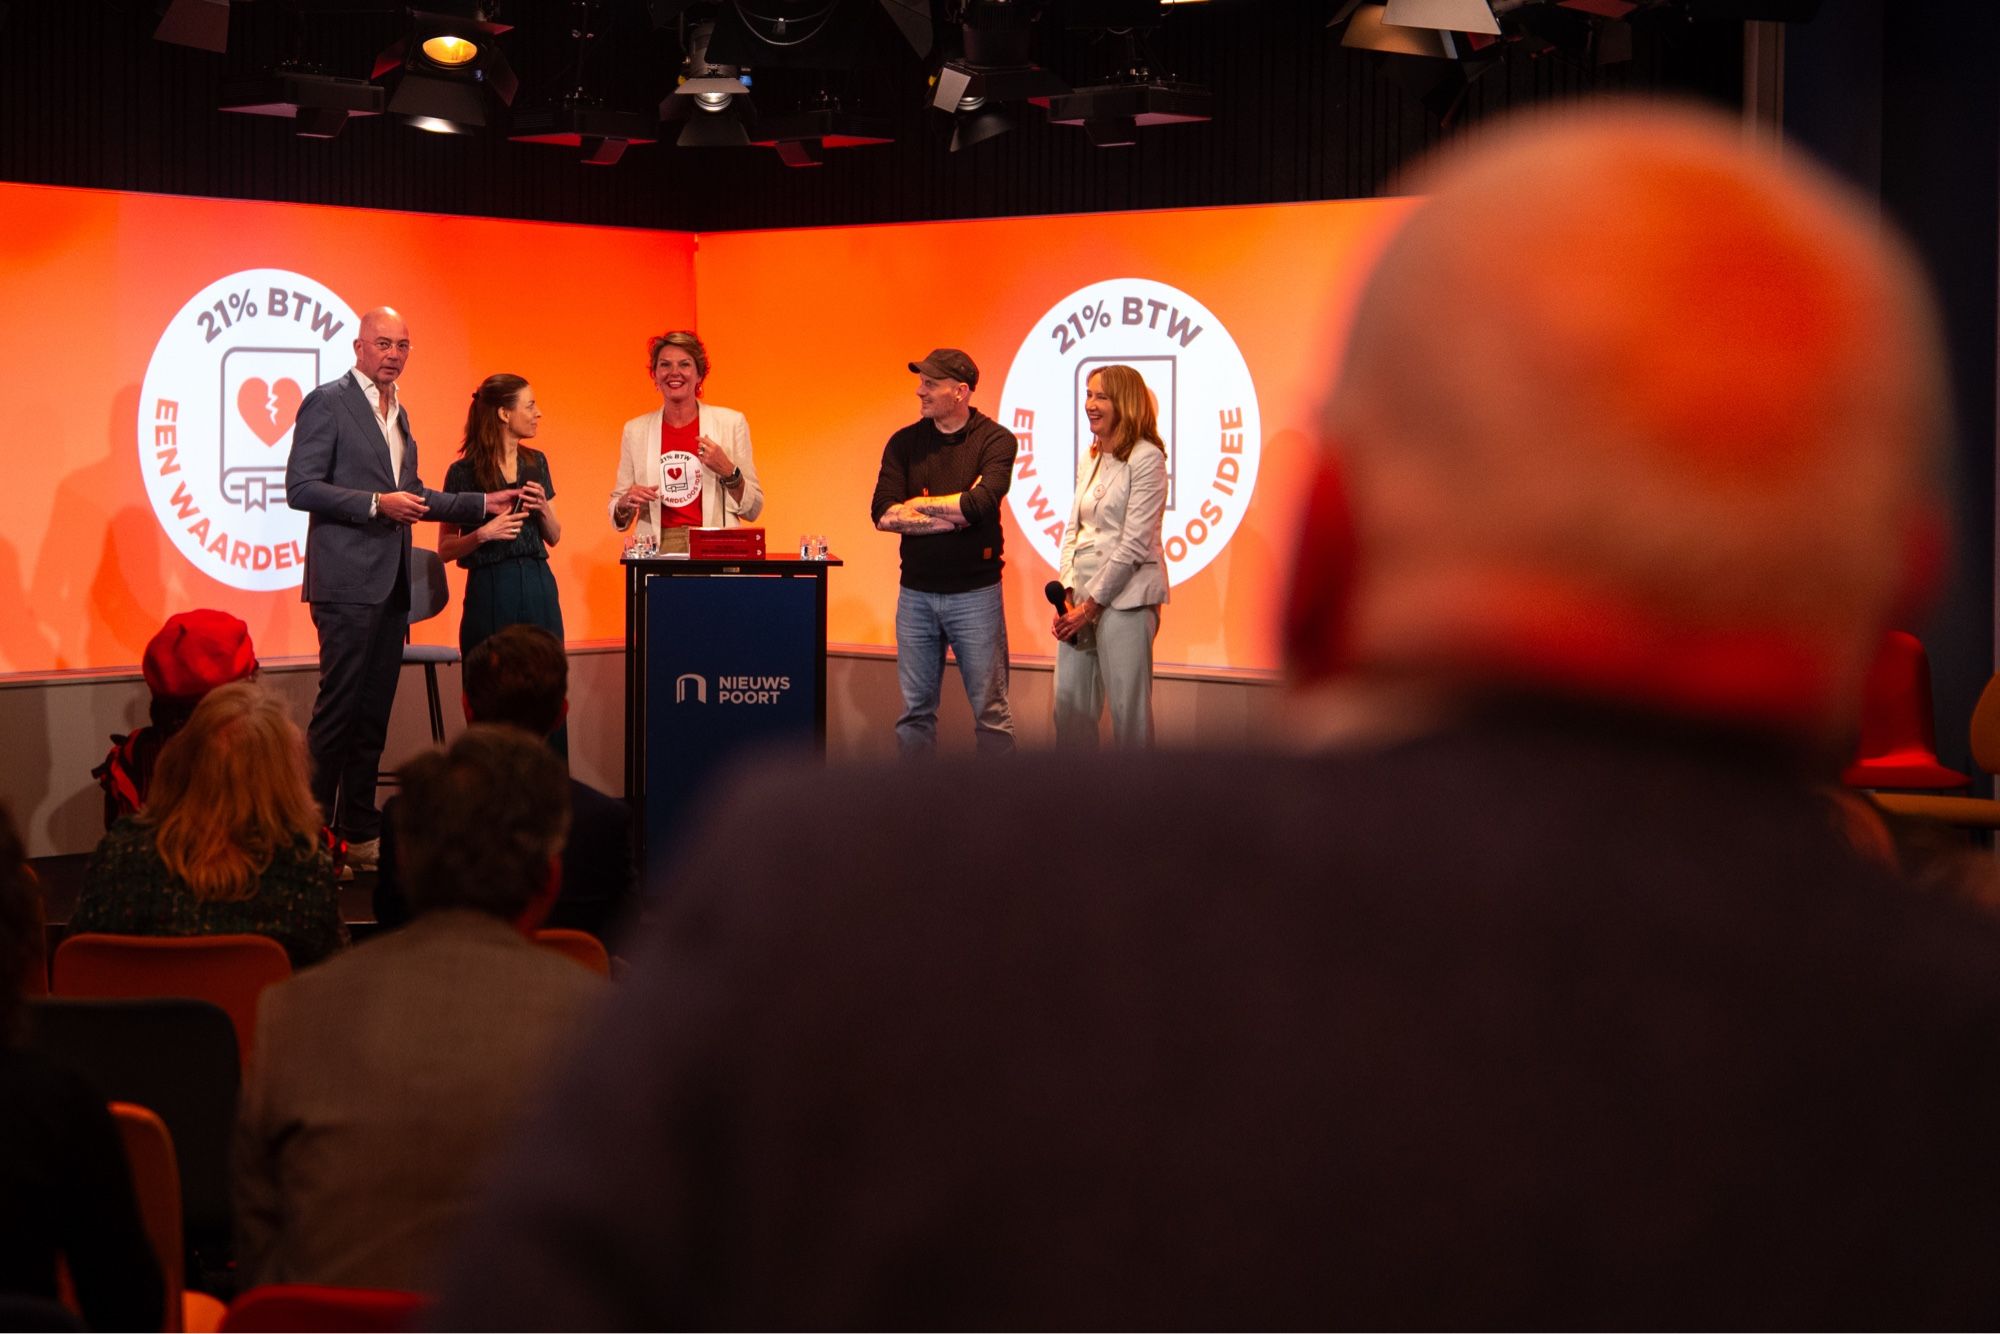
(194, 652)
(940, 487)
(353, 467)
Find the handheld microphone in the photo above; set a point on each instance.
(1058, 596)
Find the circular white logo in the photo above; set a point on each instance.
(221, 395)
(680, 478)
(1207, 409)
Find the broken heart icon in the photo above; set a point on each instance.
(269, 409)
(674, 473)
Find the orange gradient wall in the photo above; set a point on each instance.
(90, 280)
(809, 333)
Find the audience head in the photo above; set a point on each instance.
(194, 652)
(518, 676)
(1137, 415)
(485, 440)
(482, 825)
(21, 944)
(230, 791)
(1631, 408)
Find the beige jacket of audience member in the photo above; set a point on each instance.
(383, 1080)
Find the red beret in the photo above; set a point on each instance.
(195, 652)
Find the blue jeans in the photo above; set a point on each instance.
(974, 625)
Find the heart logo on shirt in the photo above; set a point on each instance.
(674, 473)
(269, 410)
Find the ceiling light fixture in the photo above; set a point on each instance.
(449, 61)
(712, 98)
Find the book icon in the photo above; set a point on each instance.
(262, 388)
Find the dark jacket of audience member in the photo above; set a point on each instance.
(65, 1188)
(194, 652)
(1532, 988)
(520, 677)
(384, 1078)
(230, 841)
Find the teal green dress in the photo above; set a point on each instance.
(507, 583)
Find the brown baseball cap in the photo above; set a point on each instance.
(947, 363)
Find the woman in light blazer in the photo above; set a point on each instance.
(686, 463)
(1114, 569)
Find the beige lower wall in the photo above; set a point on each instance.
(53, 730)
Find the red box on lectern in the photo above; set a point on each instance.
(726, 543)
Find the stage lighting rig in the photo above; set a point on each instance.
(803, 137)
(994, 69)
(816, 34)
(450, 59)
(1113, 113)
(713, 99)
(318, 104)
(580, 119)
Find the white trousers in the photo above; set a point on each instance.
(1114, 667)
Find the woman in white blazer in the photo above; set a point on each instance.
(686, 463)
(1114, 568)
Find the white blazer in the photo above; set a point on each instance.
(639, 464)
(1122, 503)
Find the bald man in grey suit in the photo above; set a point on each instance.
(353, 468)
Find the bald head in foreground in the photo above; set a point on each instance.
(1539, 990)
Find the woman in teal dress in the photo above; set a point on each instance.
(508, 581)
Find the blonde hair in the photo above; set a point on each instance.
(230, 792)
(1138, 418)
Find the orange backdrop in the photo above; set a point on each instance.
(809, 333)
(90, 280)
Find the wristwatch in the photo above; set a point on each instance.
(734, 477)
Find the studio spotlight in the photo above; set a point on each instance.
(449, 60)
(319, 105)
(977, 124)
(994, 69)
(713, 99)
(202, 24)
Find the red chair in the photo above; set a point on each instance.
(227, 971)
(306, 1308)
(1973, 813)
(156, 1182)
(1898, 745)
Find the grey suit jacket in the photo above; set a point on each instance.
(1129, 565)
(381, 1081)
(339, 463)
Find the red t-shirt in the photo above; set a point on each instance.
(680, 475)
